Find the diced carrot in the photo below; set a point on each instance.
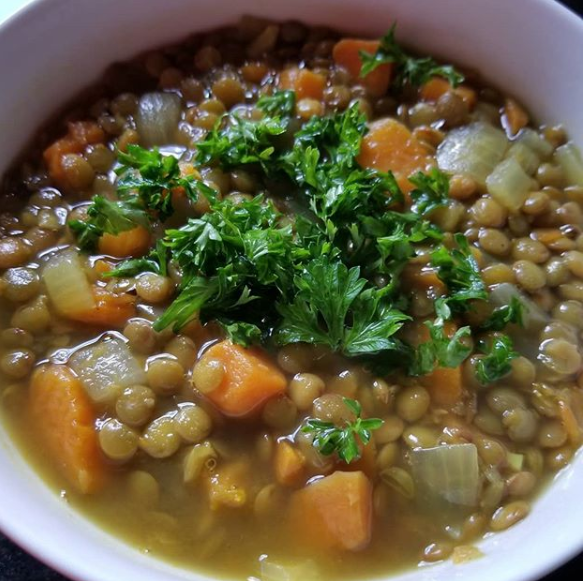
(438, 86)
(250, 379)
(80, 134)
(346, 53)
(334, 512)
(65, 420)
(514, 117)
(134, 242)
(227, 486)
(289, 464)
(111, 309)
(102, 267)
(389, 145)
(444, 384)
(304, 82)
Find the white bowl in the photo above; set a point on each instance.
(53, 48)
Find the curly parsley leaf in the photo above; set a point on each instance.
(105, 216)
(281, 103)
(496, 362)
(505, 315)
(345, 441)
(332, 307)
(458, 269)
(444, 349)
(431, 191)
(408, 69)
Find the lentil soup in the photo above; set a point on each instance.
(279, 304)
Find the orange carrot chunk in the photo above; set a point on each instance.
(437, 86)
(289, 464)
(304, 82)
(346, 53)
(134, 242)
(65, 420)
(80, 135)
(111, 309)
(334, 512)
(514, 117)
(249, 379)
(389, 145)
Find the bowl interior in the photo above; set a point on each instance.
(54, 48)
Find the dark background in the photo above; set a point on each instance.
(16, 565)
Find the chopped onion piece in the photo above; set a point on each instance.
(509, 184)
(303, 571)
(473, 150)
(515, 461)
(569, 157)
(536, 142)
(67, 284)
(525, 156)
(447, 473)
(157, 118)
(106, 368)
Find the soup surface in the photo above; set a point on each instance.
(282, 305)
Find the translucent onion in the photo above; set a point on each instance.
(67, 284)
(536, 142)
(106, 368)
(473, 150)
(525, 156)
(274, 571)
(569, 157)
(447, 474)
(157, 118)
(509, 184)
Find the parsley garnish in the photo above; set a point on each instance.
(458, 269)
(502, 316)
(496, 362)
(281, 103)
(431, 191)
(344, 441)
(408, 69)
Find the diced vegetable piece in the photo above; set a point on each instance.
(67, 284)
(250, 379)
(106, 368)
(274, 571)
(80, 134)
(389, 145)
(509, 184)
(64, 418)
(134, 242)
(335, 511)
(157, 118)
(227, 487)
(473, 150)
(514, 117)
(525, 156)
(447, 474)
(110, 309)
(438, 86)
(346, 53)
(289, 464)
(515, 461)
(569, 157)
(304, 82)
(536, 142)
(445, 385)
